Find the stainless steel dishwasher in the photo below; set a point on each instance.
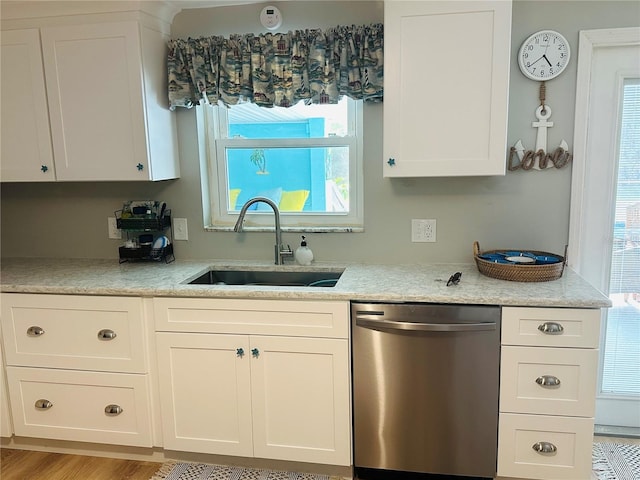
(425, 389)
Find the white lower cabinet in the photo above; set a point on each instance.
(572, 438)
(548, 375)
(205, 392)
(266, 396)
(77, 368)
(74, 405)
(6, 427)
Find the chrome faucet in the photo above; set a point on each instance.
(281, 252)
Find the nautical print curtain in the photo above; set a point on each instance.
(278, 69)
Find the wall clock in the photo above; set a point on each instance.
(544, 55)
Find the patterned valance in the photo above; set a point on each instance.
(278, 69)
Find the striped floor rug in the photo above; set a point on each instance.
(613, 461)
(200, 471)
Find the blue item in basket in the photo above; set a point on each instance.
(546, 259)
(494, 258)
(520, 254)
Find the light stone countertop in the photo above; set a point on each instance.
(383, 283)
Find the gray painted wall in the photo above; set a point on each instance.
(528, 210)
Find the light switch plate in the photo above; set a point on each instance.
(180, 231)
(114, 231)
(423, 230)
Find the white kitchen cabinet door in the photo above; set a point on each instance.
(97, 407)
(26, 151)
(78, 332)
(551, 327)
(446, 76)
(300, 392)
(205, 393)
(548, 381)
(106, 116)
(6, 427)
(521, 436)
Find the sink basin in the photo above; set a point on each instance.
(288, 278)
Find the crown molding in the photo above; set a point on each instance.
(31, 9)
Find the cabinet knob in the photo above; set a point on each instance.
(140, 167)
(551, 328)
(255, 352)
(113, 410)
(391, 162)
(544, 448)
(106, 334)
(44, 169)
(548, 381)
(240, 352)
(35, 331)
(43, 404)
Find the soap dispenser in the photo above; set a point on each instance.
(303, 254)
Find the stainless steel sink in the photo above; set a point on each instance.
(288, 278)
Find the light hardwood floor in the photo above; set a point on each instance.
(29, 465)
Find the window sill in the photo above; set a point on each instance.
(229, 228)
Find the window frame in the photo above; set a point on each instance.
(215, 192)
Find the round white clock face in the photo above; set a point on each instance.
(544, 55)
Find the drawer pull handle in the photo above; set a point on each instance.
(548, 381)
(113, 410)
(551, 328)
(35, 331)
(106, 334)
(43, 404)
(545, 448)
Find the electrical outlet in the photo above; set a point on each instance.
(423, 230)
(114, 231)
(180, 231)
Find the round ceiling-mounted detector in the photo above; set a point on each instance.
(271, 18)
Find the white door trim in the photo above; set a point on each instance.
(589, 40)
(587, 223)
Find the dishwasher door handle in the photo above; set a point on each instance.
(423, 327)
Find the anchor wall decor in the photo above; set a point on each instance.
(540, 158)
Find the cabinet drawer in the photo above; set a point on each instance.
(572, 438)
(525, 326)
(60, 331)
(277, 317)
(527, 375)
(78, 402)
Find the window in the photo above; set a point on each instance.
(306, 158)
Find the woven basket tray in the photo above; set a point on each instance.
(519, 273)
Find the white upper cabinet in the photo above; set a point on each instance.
(26, 152)
(97, 111)
(446, 88)
(103, 99)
